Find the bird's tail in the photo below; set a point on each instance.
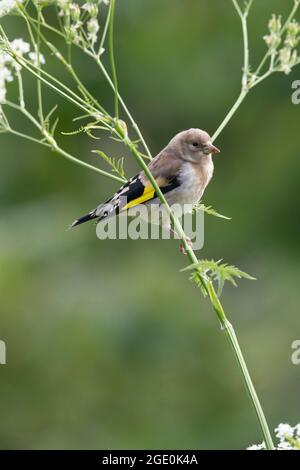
(101, 212)
(85, 218)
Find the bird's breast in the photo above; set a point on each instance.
(193, 181)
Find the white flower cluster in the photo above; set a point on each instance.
(7, 6)
(288, 436)
(288, 54)
(9, 67)
(80, 22)
(273, 39)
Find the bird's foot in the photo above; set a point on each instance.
(182, 248)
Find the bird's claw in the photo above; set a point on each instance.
(182, 248)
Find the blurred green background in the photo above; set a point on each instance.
(108, 344)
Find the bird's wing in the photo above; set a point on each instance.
(165, 169)
(139, 190)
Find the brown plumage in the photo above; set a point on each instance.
(182, 170)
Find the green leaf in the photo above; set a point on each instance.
(209, 210)
(54, 125)
(77, 131)
(218, 272)
(117, 165)
(195, 277)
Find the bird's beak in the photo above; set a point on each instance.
(212, 148)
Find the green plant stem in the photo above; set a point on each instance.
(67, 64)
(133, 123)
(112, 56)
(66, 155)
(230, 114)
(77, 101)
(105, 29)
(207, 284)
(27, 137)
(249, 385)
(109, 80)
(51, 142)
(21, 90)
(39, 83)
(69, 67)
(217, 306)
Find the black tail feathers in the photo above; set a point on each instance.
(90, 216)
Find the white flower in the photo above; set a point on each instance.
(297, 429)
(285, 446)
(261, 446)
(75, 11)
(5, 75)
(7, 6)
(8, 64)
(2, 93)
(93, 28)
(73, 33)
(284, 431)
(288, 59)
(19, 46)
(91, 8)
(33, 56)
(273, 39)
(292, 38)
(64, 6)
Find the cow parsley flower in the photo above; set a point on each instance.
(91, 8)
(7, 6)
(284, 445)
(74, 11)
(273, 39)
(64, 7)
(93, 28)
(33, 56)
(19, 46)
(283, 431)
(297, 430)
(73, 32)
(292, 35)
(5, 75)
(8, 65)
(288, 436)
(261, 446)
(288, 58)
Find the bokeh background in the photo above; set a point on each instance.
(108, 344)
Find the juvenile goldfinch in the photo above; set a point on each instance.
(182, 171)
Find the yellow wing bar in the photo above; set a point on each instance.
(146, 196)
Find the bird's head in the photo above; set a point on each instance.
(193, 145)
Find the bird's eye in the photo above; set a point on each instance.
(195, 144)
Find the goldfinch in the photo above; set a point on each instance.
(182, 170)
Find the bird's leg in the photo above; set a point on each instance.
(181, 247)
(190, 244)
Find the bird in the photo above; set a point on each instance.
(182, 170)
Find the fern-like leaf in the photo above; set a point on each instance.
(218, 272)
(117, 165)
(209, 210)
